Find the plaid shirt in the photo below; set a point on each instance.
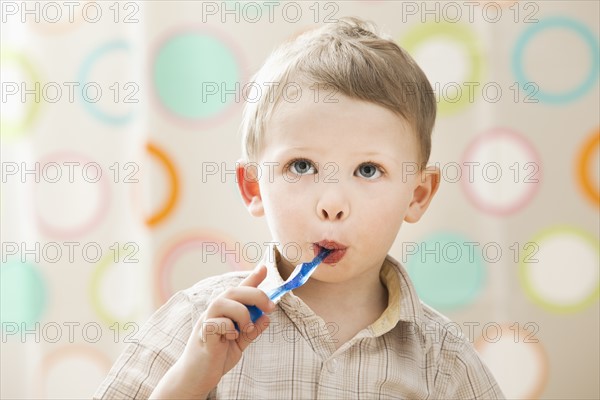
(410, 352)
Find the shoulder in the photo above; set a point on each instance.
(461, 371)
(433, 328)
(203, 292)
(212, 286)
(163, 337)
(441, 347)
(176, 317)
(435, 322)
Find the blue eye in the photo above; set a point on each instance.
(369, 170)
(302, 167)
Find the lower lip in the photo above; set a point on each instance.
(334, 257)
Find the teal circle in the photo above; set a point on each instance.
(22, 294)
(188, 69)
(447, 270)
(550, 23)
(92, 108)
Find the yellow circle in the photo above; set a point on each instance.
(529, 257)
(10, 129)
(95, 283)
(461, 34)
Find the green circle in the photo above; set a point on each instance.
(22, 294)
(188, 69)
(447, 270)
(10, 129)
(459, 33)
(524, 271)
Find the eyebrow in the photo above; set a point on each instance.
(286, 152)
(304, 148)
(370, 154)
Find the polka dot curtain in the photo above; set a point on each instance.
(119, 131)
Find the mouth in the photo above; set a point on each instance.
(339, 250)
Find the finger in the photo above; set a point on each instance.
(250, 296)
(247, 336)
(263, 302)
(256, 277)
(228, 308)
(215, 330)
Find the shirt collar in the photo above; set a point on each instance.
(271, 260)
(404, 304)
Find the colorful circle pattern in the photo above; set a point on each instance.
(447, 270)
(574, 26)
(194, 76)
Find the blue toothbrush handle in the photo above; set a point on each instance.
(299, 276)
(274, 295)
(255, 313)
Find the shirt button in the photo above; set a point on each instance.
(332, 366)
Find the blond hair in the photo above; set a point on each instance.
(353, 58)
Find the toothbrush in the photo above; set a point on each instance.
(297, 278)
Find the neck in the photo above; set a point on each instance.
(364, 297)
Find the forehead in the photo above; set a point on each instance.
(316, 118)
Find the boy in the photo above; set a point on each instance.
(327, 170)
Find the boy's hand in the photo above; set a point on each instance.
(215, 346)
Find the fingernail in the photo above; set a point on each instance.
(251, 327)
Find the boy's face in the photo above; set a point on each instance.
(341, 172)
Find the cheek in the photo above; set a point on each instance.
(387, 213)
(386, 220)
(282, 197)
(285, 207)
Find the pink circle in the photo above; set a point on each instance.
(527, 194)
(56, 231)
(187, 243)
(225, 114)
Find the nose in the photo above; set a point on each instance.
(333, 206)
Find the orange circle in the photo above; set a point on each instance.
(583, 168)
(169, 205)
(47, 27)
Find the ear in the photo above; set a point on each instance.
(246, 174)
(427, 185)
